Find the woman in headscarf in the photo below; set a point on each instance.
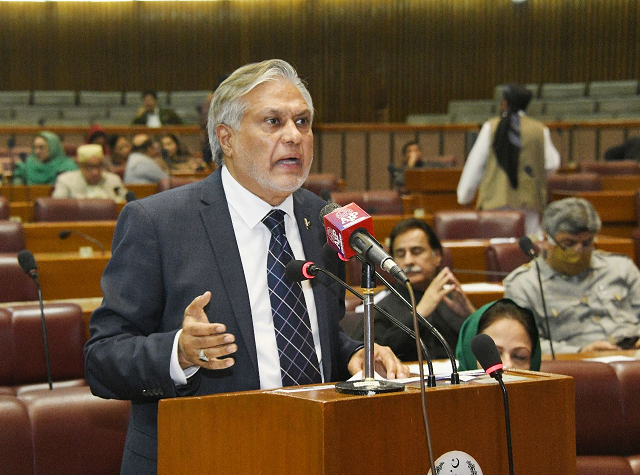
(509, 161)
(511, 327)
(46, 161)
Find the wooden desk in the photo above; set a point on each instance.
(317, 431)
(43, 237)
(592, 354)
(25, 193)
(432, 180)
(620, 182)
(69, 276)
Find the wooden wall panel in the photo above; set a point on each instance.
(364, 59)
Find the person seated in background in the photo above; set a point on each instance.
(91, 180)
(151, 115)
(176, 158)
(97, 135)
(44, 163)
(592, 297)
(120, 149)
(411, 158)
(629, 150)
(440, 299)
(141, 167)
(511, 327)
(509, 161)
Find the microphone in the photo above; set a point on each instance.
(130, 196)
(68, 232)
(353, 225)
(28, 264)
(297, 271)
(529, 249)
(329, 253)
(485, 351)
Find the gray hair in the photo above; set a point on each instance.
(227, 106)
(571, 215)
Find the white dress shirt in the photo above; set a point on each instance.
(247, 212)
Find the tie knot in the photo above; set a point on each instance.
(274, 221)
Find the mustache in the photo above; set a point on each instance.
(415, 269)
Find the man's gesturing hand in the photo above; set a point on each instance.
(199, 334)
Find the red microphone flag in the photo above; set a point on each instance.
(340, 224)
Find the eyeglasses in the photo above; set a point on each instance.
(573, 244)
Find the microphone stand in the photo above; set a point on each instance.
(544, 309)
(431, 379)
(455, 376)
(45, 341)
(368, 385)
(507, 421)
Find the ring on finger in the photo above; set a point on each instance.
(202, 356)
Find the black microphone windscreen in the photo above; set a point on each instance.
(27, 261)
(527, 246)
(64, 234)
(293, 271)
(130, 196)
(485, 351)
(11, 142)
(165, 154)
(328, 208)
(23, 156)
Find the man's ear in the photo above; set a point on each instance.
(437, 255)
(225, 137)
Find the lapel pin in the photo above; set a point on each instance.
(307, 223)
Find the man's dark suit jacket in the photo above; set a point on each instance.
(168, 249)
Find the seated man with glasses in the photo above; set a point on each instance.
(439, 297)
(91, 180)
(592, 297)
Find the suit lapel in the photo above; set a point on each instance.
(217, 222)
(311, 236)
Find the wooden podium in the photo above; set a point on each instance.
(319, 431)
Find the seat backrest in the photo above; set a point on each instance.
(601, 428)
(75, 431)
(373, 202)
(470, 224)
(5, 210)
(66, 337)
(16, 446)
(15, 285)
(11, 236)
(6, 348)
(586, 181)
(504, 258)
(621, 167)
(69, 209)
(317, 182)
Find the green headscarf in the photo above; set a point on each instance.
(35, 172)
(464, 355)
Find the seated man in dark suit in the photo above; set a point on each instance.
(439, 297)
(195, 298)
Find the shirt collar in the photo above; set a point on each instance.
(248, 206)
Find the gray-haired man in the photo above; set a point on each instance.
(189, 292)
(592, 297)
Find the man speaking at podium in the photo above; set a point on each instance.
(195, 300)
